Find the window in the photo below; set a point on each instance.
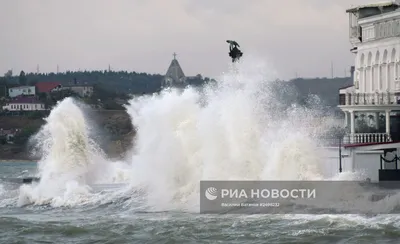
(342, 99)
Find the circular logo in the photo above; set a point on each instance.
(211, 193)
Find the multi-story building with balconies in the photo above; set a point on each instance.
(372, 104)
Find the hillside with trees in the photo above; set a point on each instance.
(112, 89)
(113, 81)
(326, 89)
(121, 83)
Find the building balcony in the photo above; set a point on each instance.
(369, 99)
(366, 138)
(357, 139)
(355, 35)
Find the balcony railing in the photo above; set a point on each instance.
(386, 98)
(360, 138)
(357, 138)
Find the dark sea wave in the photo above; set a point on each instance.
(110, 226)
(124, 221)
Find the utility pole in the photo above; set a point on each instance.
(340, 155)
(37, 69)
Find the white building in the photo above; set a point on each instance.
(371, 105)
(373, 98)
(21, 90)
(81, 90)
(24, 104)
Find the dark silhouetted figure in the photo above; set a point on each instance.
(234, 51)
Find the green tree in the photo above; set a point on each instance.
(3, 81)
(3, 140)
(22, 78)
(42, 96)
(3, 87)
(37, 114)
(22, 137)
(33, 82)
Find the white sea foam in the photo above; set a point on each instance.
(71, 160)
(235, 130)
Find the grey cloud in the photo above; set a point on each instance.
(300, 36)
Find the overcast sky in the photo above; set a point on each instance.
(296, 36)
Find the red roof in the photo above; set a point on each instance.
(46, 86)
